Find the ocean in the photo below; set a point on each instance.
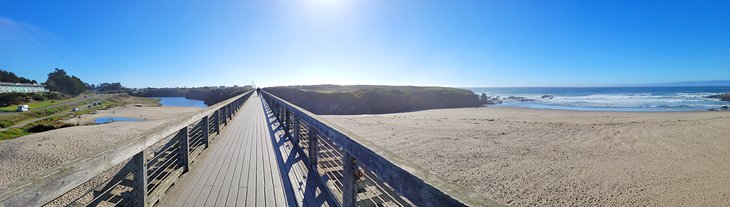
(686, 98)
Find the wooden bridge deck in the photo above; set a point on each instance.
(240, 169)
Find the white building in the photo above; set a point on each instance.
(21, 88)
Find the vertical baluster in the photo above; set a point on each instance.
(184, 153)
(140, 179)
(348, 180)
(206, 129)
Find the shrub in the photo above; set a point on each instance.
(6, 123)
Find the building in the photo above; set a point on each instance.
(21, 88)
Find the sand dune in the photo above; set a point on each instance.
(530, 157)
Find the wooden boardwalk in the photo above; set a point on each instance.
(240, 169)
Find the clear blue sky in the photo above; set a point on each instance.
(396, 42)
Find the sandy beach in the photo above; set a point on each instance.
(36, 152)
(533, 157)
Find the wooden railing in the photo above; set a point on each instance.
(137, 172)
(373, 176)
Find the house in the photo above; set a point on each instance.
(21, 88)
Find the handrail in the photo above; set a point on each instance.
(45, 186)
(419, 186)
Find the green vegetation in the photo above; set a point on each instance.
(6, 76)
(36, 104)
(15, 118)
(371, 99)
(8, 99)
(59, 81)
(56, 122)
(5, 123)
(12, 133)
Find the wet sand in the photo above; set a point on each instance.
(36, 152)
(533, 157)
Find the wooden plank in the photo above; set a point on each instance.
(234, 184)
(252, 172)
(276, 181)
(183, 194)
(260, 188)
(225, 187)
(199, 185)
(266, 175)
(245, 173)
(214, 175)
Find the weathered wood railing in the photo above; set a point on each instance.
(371, 168)
(134, 173)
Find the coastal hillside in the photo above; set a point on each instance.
(371, 99)
(210, 95)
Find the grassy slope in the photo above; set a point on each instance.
(36, 104)
(55, 121)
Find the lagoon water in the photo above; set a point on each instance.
(109, 119)
(613, 98)
(181, 101)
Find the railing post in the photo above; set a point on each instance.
(217, 122)
(206, 128)
(140, 179)
(348, 180)
(313, 149)
(225, 116)
(297, 130)
(287, 125)
(184, 142)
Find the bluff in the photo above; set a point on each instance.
(370, 99)
(209, 95)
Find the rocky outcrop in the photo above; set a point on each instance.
(722, 97)
(488, 100)
(347, 100)
(547, 97)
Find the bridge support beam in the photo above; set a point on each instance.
(348, 180)
(140, 179)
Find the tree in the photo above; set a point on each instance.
(59, 81)
(6, 76)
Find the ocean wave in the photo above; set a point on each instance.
(634, 100)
